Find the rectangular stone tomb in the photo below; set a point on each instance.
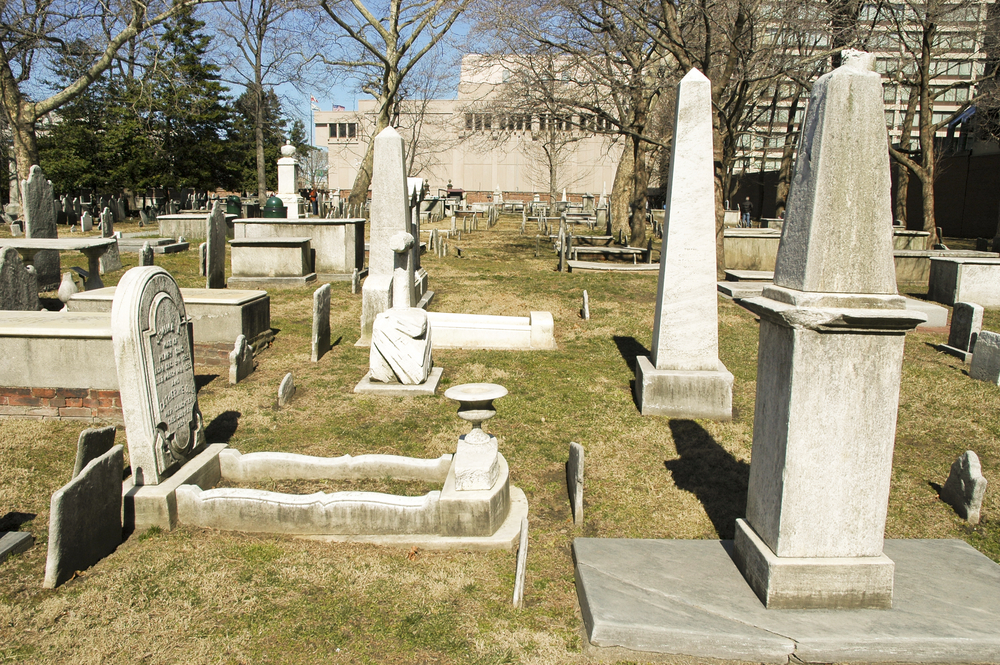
(751, 249)
(440, 518)
(218, 316)
(190, 224)
(271, 262)
(965, 280)
(338, 244)
(158, 245)
(482, 331)
(914, 266)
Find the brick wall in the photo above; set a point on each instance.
(60, 404)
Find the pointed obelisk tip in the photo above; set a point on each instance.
(859, 60)
(694, 75)
(388, 133)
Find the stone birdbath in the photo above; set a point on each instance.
(476, 466)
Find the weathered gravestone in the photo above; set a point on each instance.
(85, 518)
(574, 481)
(286, 390)
(240, 361)
(985, 364)
(321, 322)
(522, 564)
(965, 487)
(146, 255)
(92, 444)
(821, 463)
(40, 222)
(86, 222)
(110, 260)
(683, 377)
(152, 338)
(966, 324)
(215, 249)
(18, 284)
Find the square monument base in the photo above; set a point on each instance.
(799, 583)
(683, 393)
(428, 387)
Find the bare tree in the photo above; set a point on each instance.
(261, 49)
(383, 47)
(313, 168)
(32, 32)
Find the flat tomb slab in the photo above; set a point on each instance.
(749, 275)
(687, 597)
(158, 245)
(736, 290)
(602, 266)
(485, 331)
(57, 350)
(271, 258)
(219, 315)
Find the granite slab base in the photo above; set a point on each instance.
(270, 282)
(14, 542)
(146, 506)
(687, 598)
(428, 387)
(505, 538)
(683, 393)
(736, 290)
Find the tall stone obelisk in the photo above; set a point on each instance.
(685, 378)
(830, 355)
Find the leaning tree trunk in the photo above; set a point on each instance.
(637, 202)
(22, 128)
(620, 193)
(359, 191)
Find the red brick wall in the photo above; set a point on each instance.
(60, 404)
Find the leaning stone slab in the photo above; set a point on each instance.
(321, 322)
(240, 361)
(574, 481)
(966, 324)
(14, 542)
(92, 444)
(522, 564)
(85, 523)
(40, 222)
(18, 284)
(986, 358)
(965, 487)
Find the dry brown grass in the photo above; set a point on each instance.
(203, 596)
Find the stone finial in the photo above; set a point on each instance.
(965, 487)
(287, 150)
(400, 242)
(838, 229)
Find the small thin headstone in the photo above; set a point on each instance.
(86, 222)
(110, 261)
(966, 324)
(85, 518)
(986, 358)
(18, 283)
(286, 390)
(586, 306)
(355, 281)
(965, 487)
(522, 564)
(146, 256)
(321, 322)
(202, 249)
(92, 444)
(143, 217)
(215, 248)
(240, 361)
(574, 481)
(39, 216)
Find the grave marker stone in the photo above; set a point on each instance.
(215, 249)
(153, 353)
(574, 481)
(86, 222)
(522, 564)
(985, 364)
(40, 222)
(966, 324)
(321, 322)
(240, 361)
(92, 444)
(18, 283)
(85, 518)
(821, 462)
(965, 487)
(146, 255)
(683, 377)
(286, 390)
(110, 261)
(202, 253)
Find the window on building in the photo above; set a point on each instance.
(468, 122)
(889, 94)
(343, 130)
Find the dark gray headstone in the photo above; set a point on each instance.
(85, 521)
(985, 364)
(240, 361)
(966, 324)
(14, 542)
(40, 222)
(321, 322)
(215, 249)
(574, 480)
(965, 487)
(92, 444)
(18, 284)
(110, 261)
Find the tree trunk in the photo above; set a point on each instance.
(359, 191)
(637, 201)
(620, 194)
(22, 128)
(902, 192)
(258, 132)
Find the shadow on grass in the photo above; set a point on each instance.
(630, 349)
(202, 380)
(708, 471)
(222, 427)
(12, 521)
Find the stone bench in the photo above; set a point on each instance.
(338, 244)
(218, 316)
(273, 262)
(959, 279)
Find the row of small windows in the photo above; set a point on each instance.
(516, 122)
(957, 68)
(958, 95)
(341, 130)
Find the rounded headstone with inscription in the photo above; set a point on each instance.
(153, 352)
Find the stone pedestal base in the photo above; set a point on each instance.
(682, 393)
(395, 389)
(801, 583)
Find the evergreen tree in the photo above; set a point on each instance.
(244, 144)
